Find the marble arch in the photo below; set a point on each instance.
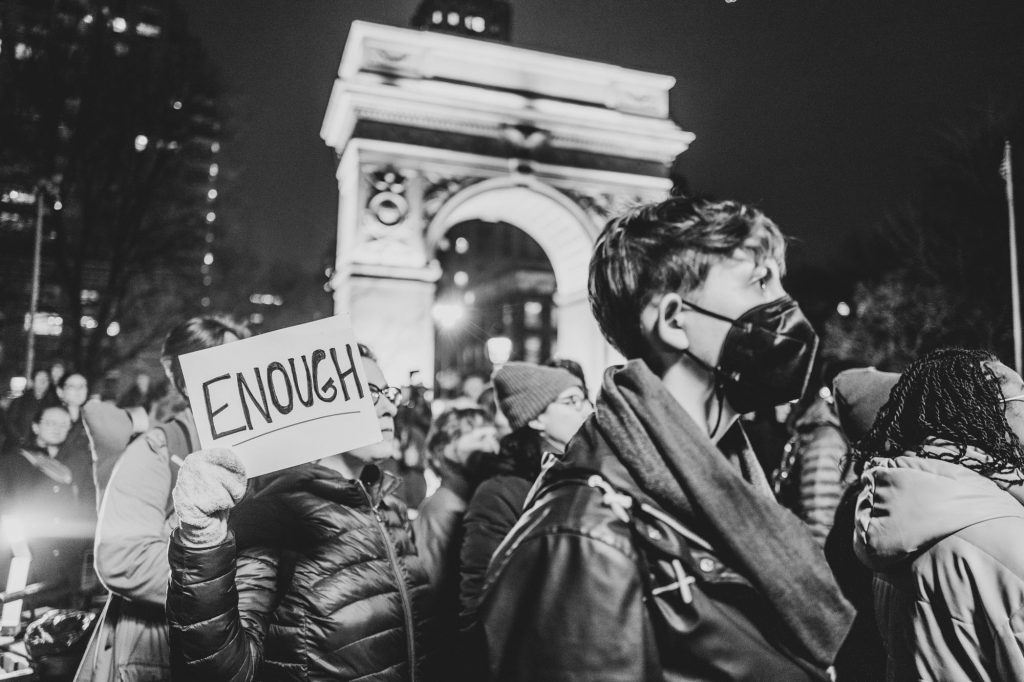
(431, 130)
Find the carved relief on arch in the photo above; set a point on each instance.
(390, 232)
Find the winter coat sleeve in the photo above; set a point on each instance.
(494, 509)
(218, 609)
(133, 526)
(968, 616)
(566, 607)
(821, 474)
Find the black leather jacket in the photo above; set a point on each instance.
(593, 585)
(326, 586)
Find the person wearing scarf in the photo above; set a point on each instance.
(654, 550)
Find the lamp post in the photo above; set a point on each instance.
(43, 187)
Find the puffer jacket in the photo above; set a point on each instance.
(813, 472)
(328, 583)
(949, 570)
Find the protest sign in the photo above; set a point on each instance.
(283, 398)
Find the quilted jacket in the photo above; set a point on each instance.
(318, 580)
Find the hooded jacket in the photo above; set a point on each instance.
(949, 569)
(328, 583)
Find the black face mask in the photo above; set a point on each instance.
(767, 355)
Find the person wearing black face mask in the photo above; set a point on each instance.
(655, 549)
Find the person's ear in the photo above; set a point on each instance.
(668, 327)
(537, 424)
(35, 428)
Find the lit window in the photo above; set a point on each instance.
(437, 17)
(208, 259)
(215, 147)
(119, 25)
(205, 302)
(461, 279)
(479, 25)
(87, 19)
(461, 245)
(88, 322)
(469, 298)
(147, 30)
(211, 216)
(453, 18)
(141, 142)
(45, 324)
(211, 195)
(22, 51)
(89, 296)
(214, 170)
(531, 349)
(113, 329)
(843, 308)
(58, 205)
(177, 105)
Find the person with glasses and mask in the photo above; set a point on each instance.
(655, 549)
(940, 516)
(545, 407)
(312, 575)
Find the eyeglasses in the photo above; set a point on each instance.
(394, 395)
(1012, 399)
(576, 401)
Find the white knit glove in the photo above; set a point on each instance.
(210, 483)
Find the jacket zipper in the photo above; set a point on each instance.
(402, 587)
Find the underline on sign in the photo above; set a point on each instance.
(338, 414)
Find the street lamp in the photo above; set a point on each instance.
(499, 350)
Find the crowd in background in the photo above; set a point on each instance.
(724, 506)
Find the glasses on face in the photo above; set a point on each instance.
(1012, 399)
(390, 392)
(575, 401)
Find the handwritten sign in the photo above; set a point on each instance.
(283, 398)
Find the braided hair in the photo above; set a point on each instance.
(950, 395)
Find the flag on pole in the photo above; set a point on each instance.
(1006, 170)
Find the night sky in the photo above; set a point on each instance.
(824, 114)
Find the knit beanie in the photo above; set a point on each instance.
(860, 394)
(525, 390)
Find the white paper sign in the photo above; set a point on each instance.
(283, 398)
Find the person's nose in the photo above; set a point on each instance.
(385, 407)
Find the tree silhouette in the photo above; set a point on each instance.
(936, 271)
(119, 113)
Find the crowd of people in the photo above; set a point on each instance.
(535, 529)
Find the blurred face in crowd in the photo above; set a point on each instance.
(56, 372)
(75, 391)
(53, 426)
(386, 410)
(560, 420)
(40, 383)
(1012, 387)
(481, 437)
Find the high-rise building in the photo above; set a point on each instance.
(109, 138)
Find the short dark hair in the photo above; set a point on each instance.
(197, 333)
(950, 395)
(38, 416)
(668, 246)
(449, 425)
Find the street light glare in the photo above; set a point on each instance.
(449, 315)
